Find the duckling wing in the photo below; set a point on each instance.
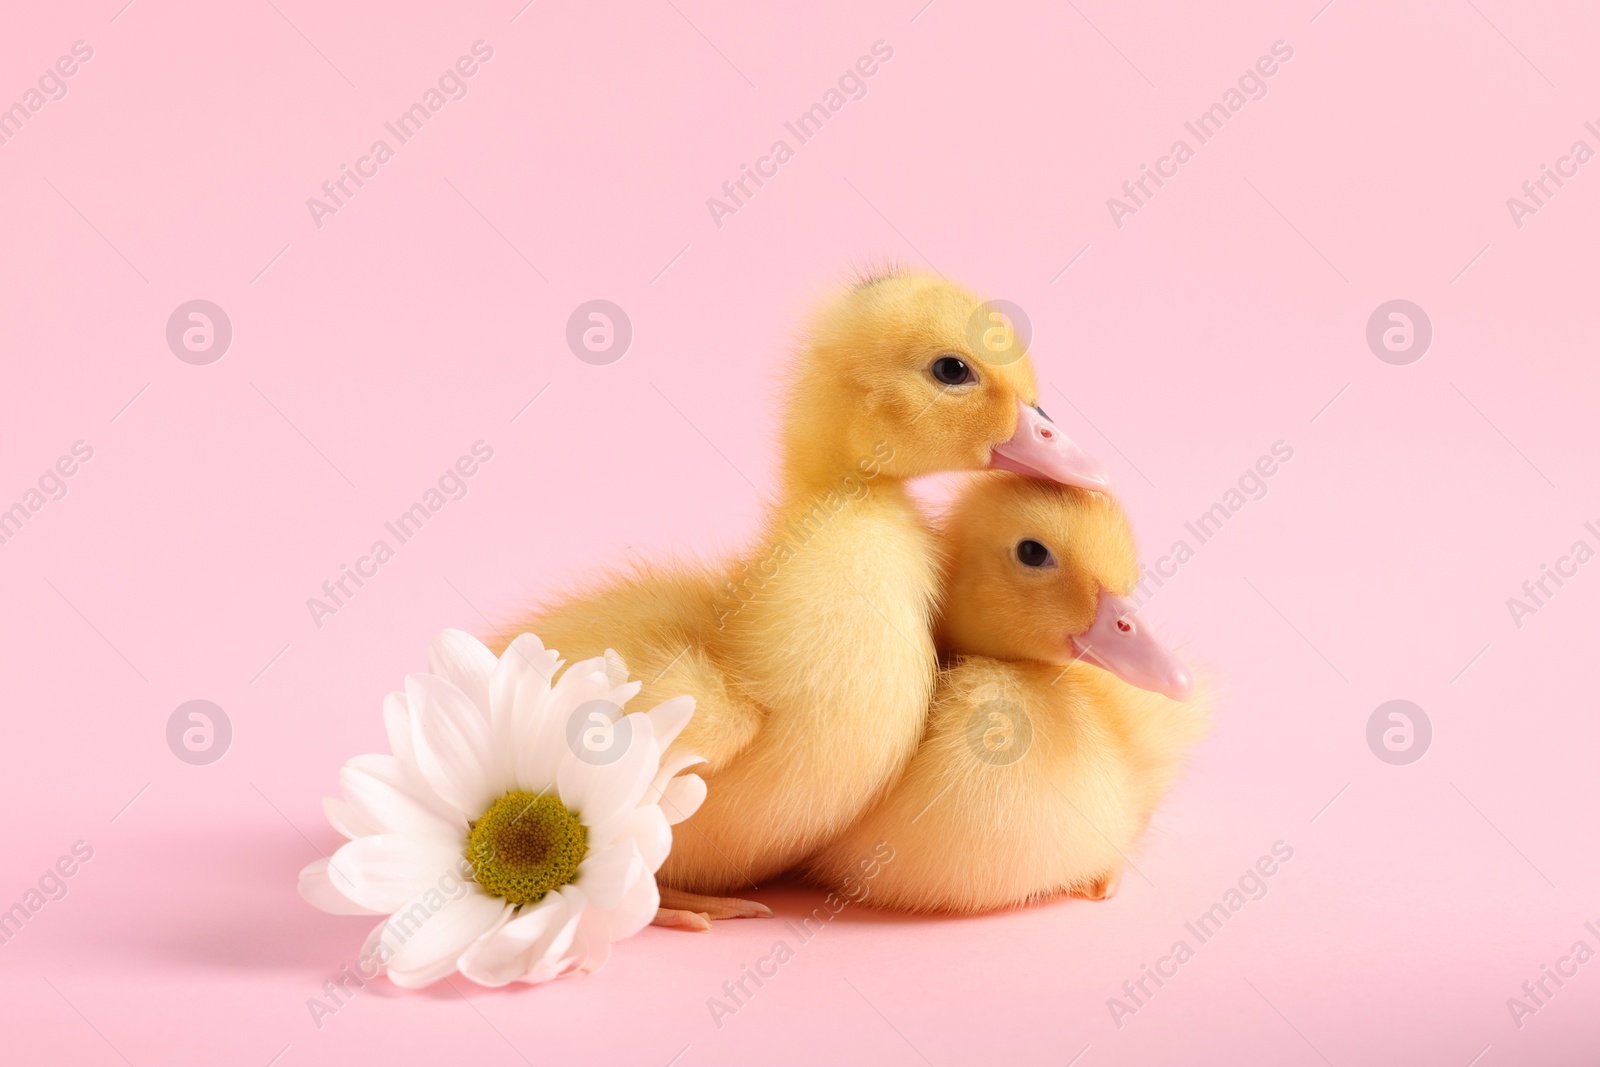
(664, 624)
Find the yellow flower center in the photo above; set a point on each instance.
(525, 845)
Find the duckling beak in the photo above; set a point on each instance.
(1041, 450)
(1121, 642)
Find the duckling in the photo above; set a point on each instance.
(810, 657)
(1056, 728)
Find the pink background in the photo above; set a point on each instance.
(1222, 317)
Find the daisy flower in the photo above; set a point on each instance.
(515, 829)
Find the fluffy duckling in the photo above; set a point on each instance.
(810, 657)
(1056, 729)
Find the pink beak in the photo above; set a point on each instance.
(1041, 450)
(1120, 641)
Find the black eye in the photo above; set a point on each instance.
(951, 370)
(1033, 554)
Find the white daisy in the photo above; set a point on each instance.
(516, 829)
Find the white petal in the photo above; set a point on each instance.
(647, 828)
(319, 891)
(553, 956)
(438, 969)
(451, 738)
(383, 873)
(582, 681)
(525, 666)
(429, 942)
(669, 718)
(380, 793)
(635, 911)
(671, 766)
(683, 797)
(616, 667)
(604, 793)
(508, 953)
(527, 716)
(346, 819)
(373, 957)
(425, 975)
(464, 662)
(593, 943)
(397, 724)
(605, 875)
(525, 662)
(541, 754)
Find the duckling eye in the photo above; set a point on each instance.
(1033, 554)
(951, 370)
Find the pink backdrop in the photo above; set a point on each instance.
(1226, 313)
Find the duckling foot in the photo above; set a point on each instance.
(1103, 889)
(684, 920)
(692, 911)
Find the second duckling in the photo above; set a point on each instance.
(1057, 727)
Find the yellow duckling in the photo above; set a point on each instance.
(1056, 729)
(811, 658)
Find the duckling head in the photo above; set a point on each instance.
(1037, 571)
(904, 370)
